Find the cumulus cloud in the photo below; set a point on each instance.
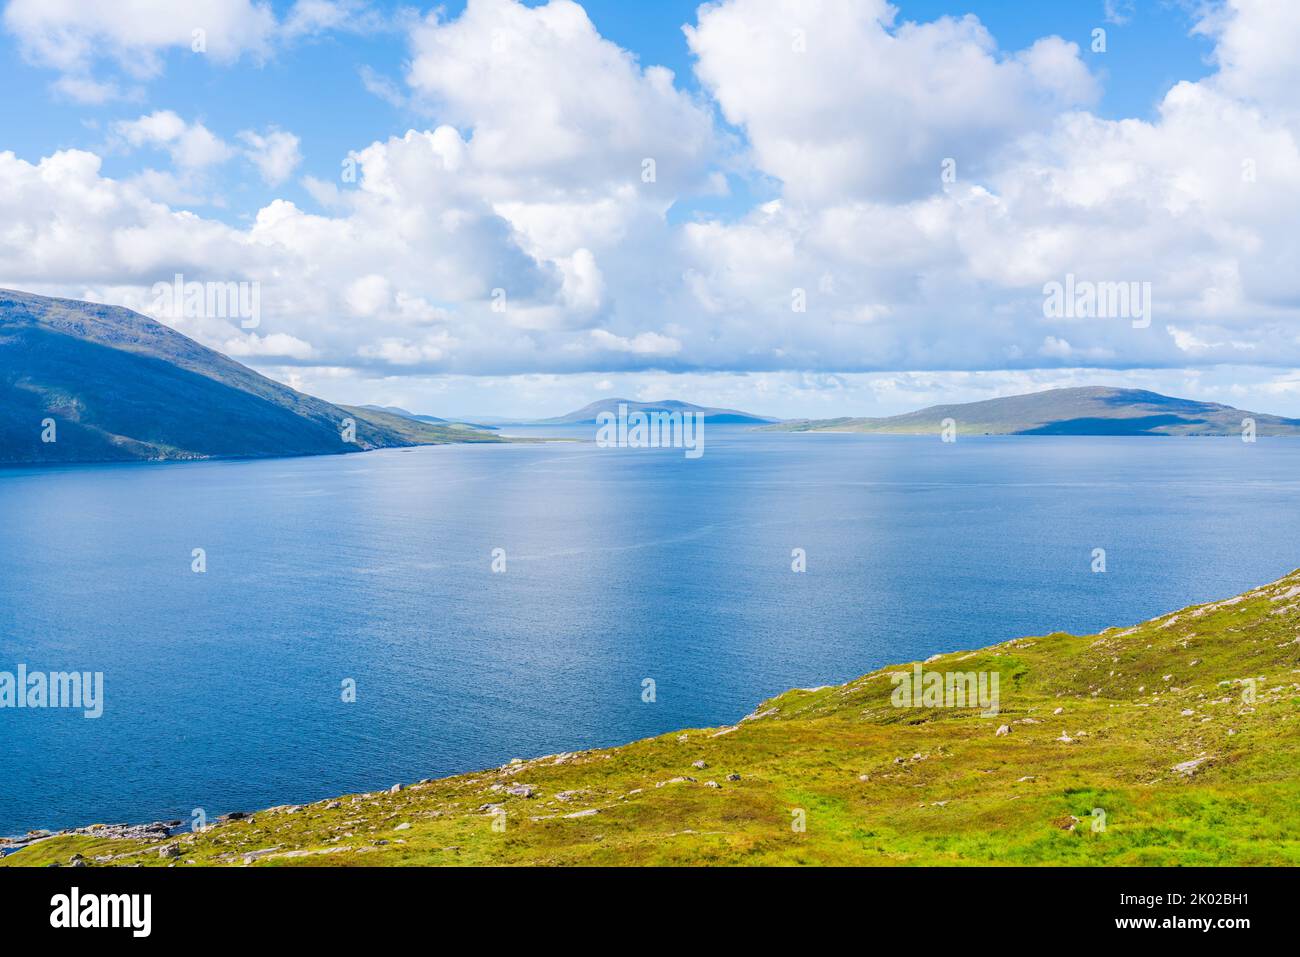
(838, 101)
(275, 153)
(950, 275)
(525, 232)
(78, 39)
(554, 108)
(191, 145)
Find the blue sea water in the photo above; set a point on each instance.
(222, 689)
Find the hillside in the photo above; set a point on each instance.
(1173, 742)
(587, 414)
(1093, 410)
(430, 419)
(121, 387)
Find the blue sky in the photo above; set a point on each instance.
(778, 176)
(315, 86)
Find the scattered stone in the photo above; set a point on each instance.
(1003, 729)
(1188, 712)
(169, 851)
(1062, 710)
(699, 764)
(404, 826)
(733, 776)
(567, 795)
(1189, 767)
(712, 784)
(394, 789)
(521, 790)
(333, 805)
(587, 813)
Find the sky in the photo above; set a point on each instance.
(795, 207)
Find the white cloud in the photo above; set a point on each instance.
(1197, 202)
(278, 344)
(554, 107)
(1255, 50)
(312, 17)
(72, 36)
(840, 102)
(275, 153)
(191, 145)
(382, 87)
(1119, 12)
(79, 38)
(83, 89)
(643, 344)
(518, 235)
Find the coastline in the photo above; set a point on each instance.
(1274, 607)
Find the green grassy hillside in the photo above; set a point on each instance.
(121, 387)
(1094, 410)
(1173, 742)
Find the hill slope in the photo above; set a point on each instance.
(1095, 410)
(1173, 742)
(120, 387)
(588, 413)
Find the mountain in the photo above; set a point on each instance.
(119, 386)
(397, 410)
(1172, 742)
(587, 414)
(1094, 410)
(431, 419)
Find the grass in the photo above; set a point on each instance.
(873, 783)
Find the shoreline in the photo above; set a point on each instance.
(155, 832)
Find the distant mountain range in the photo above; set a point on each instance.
(108, 385)
(431, 419)
(397, 410)
(587, 414)
(1094, 410)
